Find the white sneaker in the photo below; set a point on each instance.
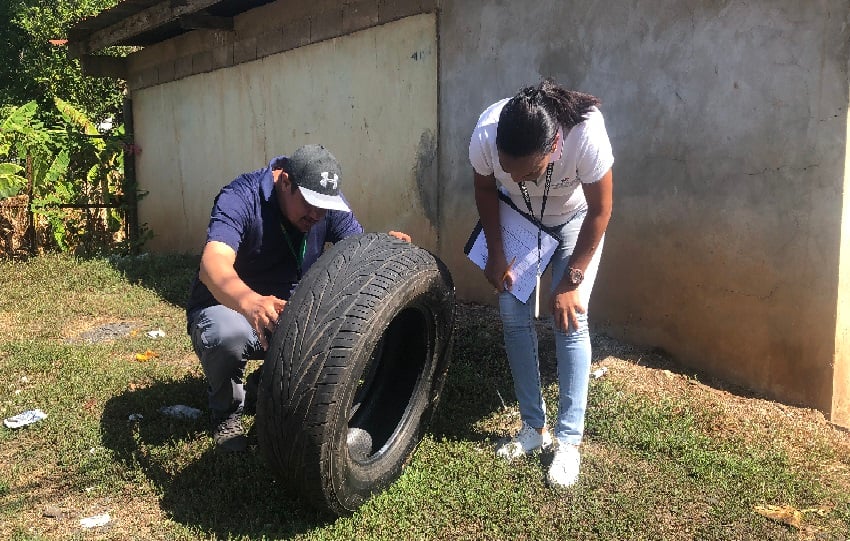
(565, 466)
(526, 441)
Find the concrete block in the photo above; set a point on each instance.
(202, 62)
(245, 50)
(192, 42)
(165, 50)
(270, 42)
(219, 38)
(391, 10)
(222, 56)
(166, 71)
(320, 6)
(183, 67)
(143, 59)
(358, 15)
(326, 24)
(268, 17)
(143, 78)
(299, 31)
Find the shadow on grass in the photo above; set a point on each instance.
(223, 494)
(479, 381)
(168, 275)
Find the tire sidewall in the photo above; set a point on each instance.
(353, 483)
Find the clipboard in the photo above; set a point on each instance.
(519, 235)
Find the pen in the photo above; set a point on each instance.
(510, 265)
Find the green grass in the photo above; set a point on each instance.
(655, 465)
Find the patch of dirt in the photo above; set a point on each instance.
(136, 514)
(98, 330)
(12, 328)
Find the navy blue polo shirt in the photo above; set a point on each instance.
(247, 217)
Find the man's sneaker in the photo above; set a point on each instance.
(565, 466)
(228, 433)
(526, 441)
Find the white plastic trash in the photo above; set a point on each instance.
(26, 418)
(158, 333)
(95, 521)
(599, 372)
(180, 411)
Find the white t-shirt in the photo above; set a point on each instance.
(584, 156)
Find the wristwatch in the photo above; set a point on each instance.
(574, 276)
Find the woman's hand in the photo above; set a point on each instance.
(498, 273)
(566, 305)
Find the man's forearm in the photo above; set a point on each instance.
(229, 289)
(217, 272)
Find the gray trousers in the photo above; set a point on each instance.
(224, 341)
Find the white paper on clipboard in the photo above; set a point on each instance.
(519, 235)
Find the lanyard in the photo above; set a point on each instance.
(527, 199)
(299, 256)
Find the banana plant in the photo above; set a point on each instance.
(70, 164)
(105, 154)
(15, 131)
(11, 180)
(23, 138)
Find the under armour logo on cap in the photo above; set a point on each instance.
(326, 178)
(317, 174)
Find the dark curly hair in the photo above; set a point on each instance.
(530, 120)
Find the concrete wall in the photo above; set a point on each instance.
(370, 97)
(730, 244)
(729, 125)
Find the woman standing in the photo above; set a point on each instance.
(548, 150)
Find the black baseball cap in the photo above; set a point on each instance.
(317, 174)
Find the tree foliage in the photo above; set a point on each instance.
(52, 146)
(70, 163)
(34, 69)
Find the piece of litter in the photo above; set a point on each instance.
(502, 400)
(51, 511)
(599, 372)
(146, 356)
(95, 521)
(135, 417)
(781, 513)
(25, 418)
(180, 411)
(158, 333)
(24, 379)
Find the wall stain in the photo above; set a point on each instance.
(424, 170)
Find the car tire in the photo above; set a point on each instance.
(354, 370)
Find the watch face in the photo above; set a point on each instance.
(576, 276)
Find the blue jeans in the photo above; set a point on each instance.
(224, 341)
(572, 348)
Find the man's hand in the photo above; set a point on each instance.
(400, 236)
(566, 305)
(217, 272)
(262, 312)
